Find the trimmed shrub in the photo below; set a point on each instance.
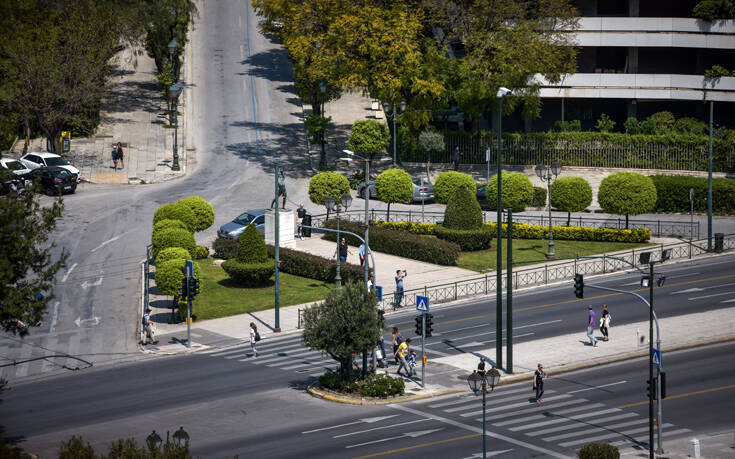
(368, 137)
(168, 224)
(202, 252)
(315, 267)
(598, 451)
(393, 185)
(336, 382)
(326, 184)
(251, 246)
(627, 193)
(662, 121)
(468, 240)
(570, 194)
(463, 212)
(689, 125)
(605, 124)
(539, 197)
(672, 193)
(517, 190)
(448, 182)
(169, 274)
(224, 248)
(171, 253)
(203, 211)
(174, 237)
(400, 243)
(249, 274)
(381, 385)
(176, 211)
(426, 229)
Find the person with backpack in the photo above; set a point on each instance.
(254, 338)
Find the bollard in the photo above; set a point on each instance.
(694, 448)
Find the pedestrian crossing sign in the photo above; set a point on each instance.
(656, 358)
(422, 303)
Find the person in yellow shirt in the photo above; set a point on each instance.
(400, 356)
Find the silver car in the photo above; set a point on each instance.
(422, 192)
(233, 229)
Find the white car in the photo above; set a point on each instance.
(35, 160)
(14, 165)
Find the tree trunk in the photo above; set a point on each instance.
(626, 221)
(569, 218)
(387, 218)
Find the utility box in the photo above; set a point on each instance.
(65, 141)
(719, 242)
(306, 232)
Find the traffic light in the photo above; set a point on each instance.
(429, 325)
(651, 388)
(381, 316)
(663, 385)
(579, 286)
(418, 325)
(193, 287)
(184, 288)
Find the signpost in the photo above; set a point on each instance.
(189, 275)
(379, 292)
(656, 357)
(422, 305)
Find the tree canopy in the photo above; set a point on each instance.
(393, 185)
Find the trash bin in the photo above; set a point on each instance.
(719, 242)
(306, 221)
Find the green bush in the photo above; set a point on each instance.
(627, 193)
(539, 197)
(224, 248)
(632, 126)
(251, 246)
(315, 267)
(663, 121)
(381, 385)
(571, 194)
(203, 211)
(598, 451)
(181, 308)
(174, 237)
(463, 212)
(176, 211)
(393, 185)
(689, 125)
(171, 253)
(168, 224)
(400, 243)
(709, 10)
(426, 229)
(448, 182)
(468, 240)
(169, 274)
(249, 274)
(335, 382)
(568, 126)
(517, 190)
(356, 179)
(202, 252)
(717, 71)
(431, 141)
(605, 124)
(326, 184)
(368, 137)
(672, 192)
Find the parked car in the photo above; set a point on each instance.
(422, 192)
(14, 166)
(482, 198)
(54, 180)
(233, 229)
(40, 159)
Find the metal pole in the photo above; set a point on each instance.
(189, 274)
(337, 277)
(659, 403)
(709, 180)
(484, 437)
(423, 336)
(509, 295)
(499, 261)
(175, 166)
(552, 253)
(277, 325)
(650, 361)
(691, 215)
(367, 223)
(394, 135)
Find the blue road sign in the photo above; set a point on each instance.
(189, 268)
(379, 292)
(657, 357)
(422, 303)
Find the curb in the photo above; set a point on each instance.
(333, 397)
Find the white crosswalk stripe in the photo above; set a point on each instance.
(637, 440)
(576, 425)
(545, 414)
(564, 419)
(595, 430)
(609, 435)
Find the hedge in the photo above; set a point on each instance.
(203, 211)
(202, 252)
(400, 243)
(176, 211)
(249, 274)
(426, 229)
(468, 240)
(598, 451)
(224, 248)
(315, 267)
(673, 194)
(169, 275)
(174, 237)
(171, 253)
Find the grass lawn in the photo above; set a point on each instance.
(220, 297)
(535, 249)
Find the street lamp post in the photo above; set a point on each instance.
(323, 90)
(386, 107)
(502, 92)
(479, 383)
(338, 207)
(709, 179)
(547, 174)
(174, 91)
(172, 47)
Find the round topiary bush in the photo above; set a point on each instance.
(251, 246)
(598, 451)
(171, 253)
(517, 192)
(539, 197)
(249, 274)
(170, 273)
(463, 212)
(448, 182)
(570, 194)
(627, 193)
(394, 185)
(202, 252)
(176, 211)
(203, 211)
(174, 237)
(326, 184)
(168, 224)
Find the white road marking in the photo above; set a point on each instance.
(537, 409)
(359, 421)
(689, 290)
(488, 454)
(68, 271)
(107, 242)
(85, 285)
(576, 426)
(94, 321)
(54, 316)
(607, 436)
(597, 387)
(710, 296)
(503, 402)
(595, 429)
(565, 419)
(383, 427)
(416, 434)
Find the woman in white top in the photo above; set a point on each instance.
(253, 333)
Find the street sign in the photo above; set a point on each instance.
(657, 357)
(379, 292)
(189, 268)
(422, 303)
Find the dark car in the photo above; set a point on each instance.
(233, 229)
(54, 180)
(482, 198)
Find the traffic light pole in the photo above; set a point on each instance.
(189, 275)
(423, 361)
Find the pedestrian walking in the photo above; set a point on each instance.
(343, 250)
(455, 157)
(254, 338)
(148, 328)
(399, 287)
(591, 326)
(397, 340)
(121, 155)
(361, 252)
(605, 323)
(379, 352)
(538, 383)
(400, 356)
(370, 283)
(114, 156)
(412, 362)
(301, 213)
(481, 367)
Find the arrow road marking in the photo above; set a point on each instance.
(710, 296)
(365, 420)
(416, 434)
(94, 321)
(85, 285)
(489, 453)
(68, 271)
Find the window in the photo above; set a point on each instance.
(56, 161)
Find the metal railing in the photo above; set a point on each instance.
(658, 228)
(550, 273)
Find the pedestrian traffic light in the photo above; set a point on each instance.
(579, 286)
(429, 325)
(651, 388)
(184, 288)
(663, 385)
(419, 326)
(193, 287)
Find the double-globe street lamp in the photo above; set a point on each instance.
(479, 383)
(502, 92)
(338, 207)
(547, 174)
(386, 109)
(323, 90)
(172, 48)
(173, 92)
